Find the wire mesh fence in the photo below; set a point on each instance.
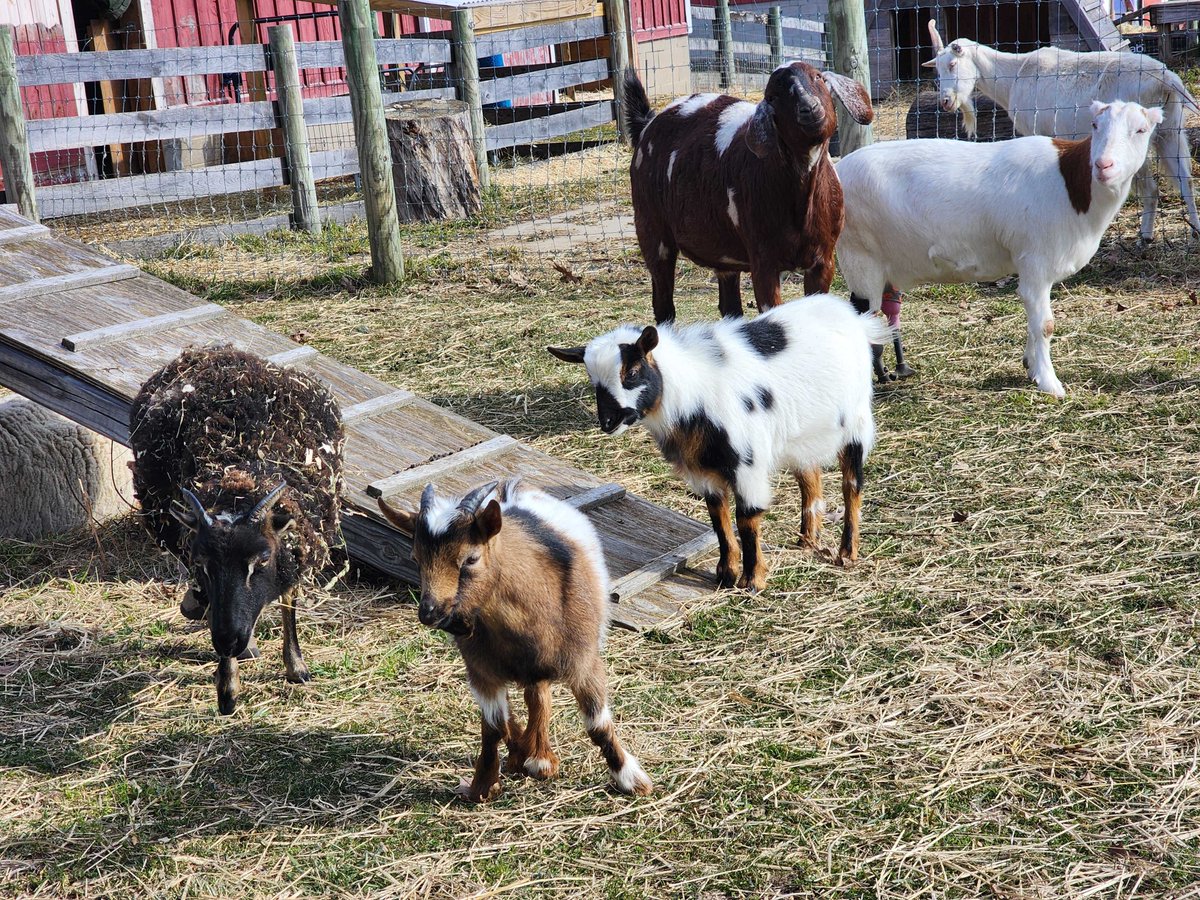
(163, 124)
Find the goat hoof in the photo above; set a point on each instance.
(299, 676)
(846, 558)
(753, 584)
(725, 578)
(904, 370)
(466, 791)
(804, 542)
(541, 767)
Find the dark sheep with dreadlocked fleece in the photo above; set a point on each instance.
(238, 467)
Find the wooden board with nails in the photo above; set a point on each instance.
(81, 342)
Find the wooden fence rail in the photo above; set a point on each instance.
(753, 47)
(432, 56)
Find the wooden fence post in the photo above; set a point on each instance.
(847, 24)
(305, 214)
(725, 45)
(14, 140)
(617, 26)
(370, 133)
(466, 65)
(775, 35)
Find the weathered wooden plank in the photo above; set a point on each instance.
(167, 62)
(167, 187)
(23, 233)
(377, 405)
(63, 392)
(666, 564)
(98, 337)
(552, 79)
(747, 48)
(293, 356)
(53, 284)
(113, 65)
(596, 497)
(379, 546)
(531, 130)
(330, 55)
(150, 125)
(394, 484)
(538, 36)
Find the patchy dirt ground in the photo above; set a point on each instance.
(1001, 700)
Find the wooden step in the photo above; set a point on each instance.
(430, 471)
(98, 337)
(23, 233)
(53, 284)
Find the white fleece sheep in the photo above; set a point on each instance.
(47, 464)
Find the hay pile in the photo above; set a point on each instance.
(229, 426)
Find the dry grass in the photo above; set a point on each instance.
(1001, 700)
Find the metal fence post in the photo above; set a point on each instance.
(14, 139)
(847, 26)
(305, 214)
(466, 64)
(370, 132)
(617, 26)
(775, 35)
(725, 44)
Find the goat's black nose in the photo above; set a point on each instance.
(427, 612)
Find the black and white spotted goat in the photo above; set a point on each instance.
(734, 402)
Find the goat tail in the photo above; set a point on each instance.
(876, 328)
(637, 106)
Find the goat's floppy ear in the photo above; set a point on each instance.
(760, 133)
(931, 64)
(401, 518)
(647, 340)
(853, 96)
(488, 520)
(568, 354)
(1154, 114)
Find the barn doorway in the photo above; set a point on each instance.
(1011, 27)
(910, 37)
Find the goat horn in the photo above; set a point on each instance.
(471, 501)
(938, 46)
(264, 505)
(197, 507)
(426, 498)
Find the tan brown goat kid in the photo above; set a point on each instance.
(518, 578)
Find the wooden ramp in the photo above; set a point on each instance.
(80, 333)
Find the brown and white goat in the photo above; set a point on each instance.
(518, 578)
(739, 187)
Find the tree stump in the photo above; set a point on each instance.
(926, 120)
(433, 161)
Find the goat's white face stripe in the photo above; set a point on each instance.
(603, 360)
(732, 119)
(441, 515)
